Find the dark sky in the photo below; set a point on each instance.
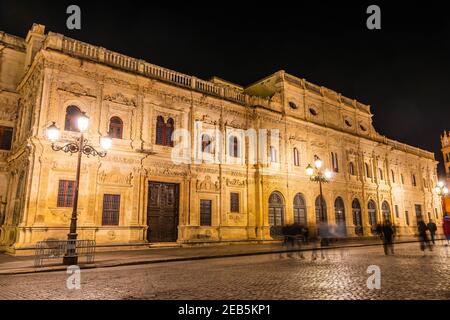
(402, 70)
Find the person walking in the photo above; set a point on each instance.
(387, 236)
(446, 227)
(423, 237)
(432, 228)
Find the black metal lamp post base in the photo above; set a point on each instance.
(70, 260)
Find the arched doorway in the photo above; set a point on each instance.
(300, 209)
(321, 215)
(276, 213)
(372, 215)
(357, 218)
(339, 211)
(386, 211)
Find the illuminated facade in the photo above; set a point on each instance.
(137, 194)
(445, 143)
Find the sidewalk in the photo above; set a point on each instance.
(10, 265)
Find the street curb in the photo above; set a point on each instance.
(181, 259)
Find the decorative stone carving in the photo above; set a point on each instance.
(208, 185)
(235, 183)
(121, 99)
(76, 88)
(115, 178)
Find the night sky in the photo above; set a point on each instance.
(402, 70)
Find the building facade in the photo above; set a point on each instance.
(142, 192)
(445, 143)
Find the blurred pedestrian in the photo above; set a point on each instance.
(446, 226)
(386, 233)
(432, 228)
(423, 237)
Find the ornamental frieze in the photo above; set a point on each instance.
(235, 183)
(76, 88)
(115, 178)
(208, 185)
(120, 99)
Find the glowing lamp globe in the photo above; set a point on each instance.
(106, 142)
(83, 122)
(53, 132)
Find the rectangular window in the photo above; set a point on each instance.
(234, 202)
(66, 192)
(334, 162)
(418, 209)
(397, 214)
(111, 209)
(6, 135)
(205, 212)
(407, 217)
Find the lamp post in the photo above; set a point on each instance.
(80, 146)
(442, 191)
(315, 174)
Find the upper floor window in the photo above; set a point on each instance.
(116, 128)
(206, 144)
(368, 172)
(334, 162)
(381, 173)
(6, 134)
(402, 179)
(351, 169)
(413, 180)
(164, 131)
(233, 146)
(72, 114)
(296, 157)
(393, 176)
(273, 154)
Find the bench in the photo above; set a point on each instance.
(56, 249)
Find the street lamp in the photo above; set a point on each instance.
(80, 146)
(442, 191)
(316, 175)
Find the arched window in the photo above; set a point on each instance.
(351, 168)
(368, 173)
(116, 128)
(300, 209)
(393, 176)
(372, 213)
(413, 180)
(321, 215)
(170, 127)
(339, 211)
(273, 154)
(72, 114)
(357, 218)
(233, 146)
(276, 213)
(386, 211)
(160, 130)
(206, 143)
(296, 157)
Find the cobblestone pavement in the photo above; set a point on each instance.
(341, 274)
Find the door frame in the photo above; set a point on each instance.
(177, 208)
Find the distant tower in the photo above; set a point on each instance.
(445, 143)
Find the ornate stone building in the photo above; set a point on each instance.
(445, 143)
(138, 194)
